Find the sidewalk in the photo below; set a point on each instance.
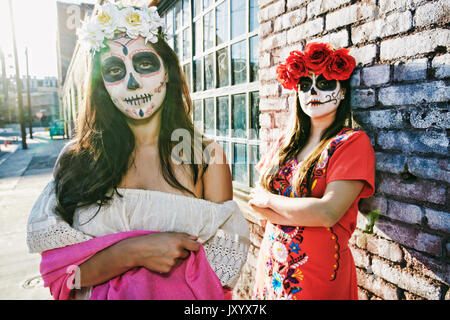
(23, 175)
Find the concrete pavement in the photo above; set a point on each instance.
(23, 175)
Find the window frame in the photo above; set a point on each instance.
(216, 92)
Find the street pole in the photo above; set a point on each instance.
(18, 81)
(5, 84)
(30, 117)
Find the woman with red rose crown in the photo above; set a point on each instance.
(311, 182)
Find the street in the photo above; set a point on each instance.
(23, 175)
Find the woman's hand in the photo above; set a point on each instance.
(161, 252)
(158, 252)
(260, 197)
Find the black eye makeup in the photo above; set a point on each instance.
(146, 62)
(113, 69)
(305, 84)
(324, 84)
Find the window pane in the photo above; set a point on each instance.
(238, 19)
(187, 43)
(178, 15)
(240, 163)
(224, 145)
(208, 31)
(177, 45)
(222, 116)
(222, 23)
(197, 7)
(239, 62)
(254, 159)
(253, 23)
(198, 37)
(209, 116)
(187, 74)
(197, 75)
(209, 71)
(239, 116)
(198, 114)
(222, 67)
(254, 65)
(254, 117)
(186, 13)
(207, 3)
(169, 23)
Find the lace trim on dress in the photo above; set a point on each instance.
(54, 236)
(227, 254)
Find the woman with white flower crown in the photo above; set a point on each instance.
(131, 213)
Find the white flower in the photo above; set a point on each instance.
(112, 17)
(152, 38)
(91, 36)
(108, 19)
(132, 22)
(152, 16)
(279, 252)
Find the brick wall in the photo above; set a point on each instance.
(400, 96)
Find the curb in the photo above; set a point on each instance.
(3, 159)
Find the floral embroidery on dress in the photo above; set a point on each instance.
(285, 258)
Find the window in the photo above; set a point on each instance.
(217, 45)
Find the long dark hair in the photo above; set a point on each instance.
(296, 138)
(104, 143)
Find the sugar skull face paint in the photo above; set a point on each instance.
(318, 96)
(134, 76)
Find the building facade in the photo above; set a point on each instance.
(229, 51)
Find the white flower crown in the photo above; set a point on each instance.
(111, 19)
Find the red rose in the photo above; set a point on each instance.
(317, 55)
(285, 77)
(340, 66)
(296, 65)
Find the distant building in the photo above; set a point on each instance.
(70, 16)
(44, 99)
(43, 96)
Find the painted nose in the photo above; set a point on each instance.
(132, 83)
(313, 91)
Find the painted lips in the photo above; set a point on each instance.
(315, 102)
(138, 99)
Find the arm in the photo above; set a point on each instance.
(311, 212)
(158, 252)
(217, 180)
(227, 250)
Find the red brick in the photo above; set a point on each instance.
(422, 190)
(438, 220)
(407, 279)
(266, 120)
(412, 296)
(377, 285)
(281, 119)
(409, 237)
(404, 212)
(362, 294)
(385, 249)
(430, 267)
(273, 104)
(360, 257)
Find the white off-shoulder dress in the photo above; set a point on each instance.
(221, 227)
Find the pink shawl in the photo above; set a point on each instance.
(193, 280)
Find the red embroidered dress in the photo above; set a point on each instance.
(316, 262)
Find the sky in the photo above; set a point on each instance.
(35, 24)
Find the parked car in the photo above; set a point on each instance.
(57, 129)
